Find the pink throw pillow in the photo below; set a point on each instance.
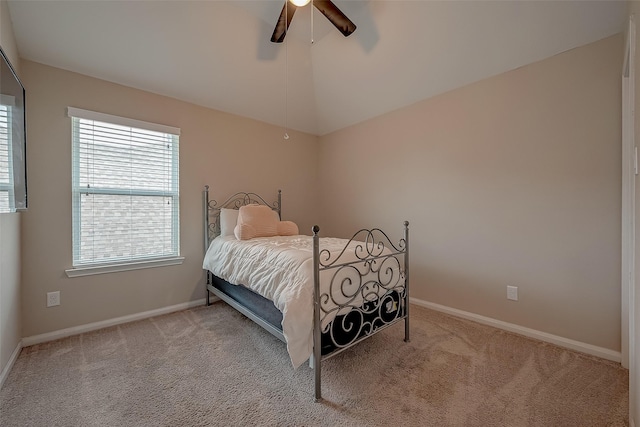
(256, 221)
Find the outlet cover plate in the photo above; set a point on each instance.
(512, 293)
(53, 298)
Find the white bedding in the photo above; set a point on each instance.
(284, 276)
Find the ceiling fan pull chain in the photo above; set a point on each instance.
(311, 21)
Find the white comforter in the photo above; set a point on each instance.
(284, 276)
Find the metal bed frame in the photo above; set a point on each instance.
(351, 281)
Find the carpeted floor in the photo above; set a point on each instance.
(211, 366)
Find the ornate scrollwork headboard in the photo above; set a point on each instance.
(212, 209)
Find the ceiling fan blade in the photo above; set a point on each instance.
(283, 22)
(336, 16)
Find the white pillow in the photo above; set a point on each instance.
(228, 221)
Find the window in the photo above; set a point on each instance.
(125, 191)
(6, 165)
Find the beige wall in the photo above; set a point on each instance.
(229, 153)
(6, 36)
(514, 180)
(10, 308)
(10, 303)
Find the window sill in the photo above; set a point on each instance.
(112, 268)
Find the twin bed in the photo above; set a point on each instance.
(318, 295)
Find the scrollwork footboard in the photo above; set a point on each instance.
(368, 290)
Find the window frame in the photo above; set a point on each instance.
(96, 267)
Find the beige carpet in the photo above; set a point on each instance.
(211, 366)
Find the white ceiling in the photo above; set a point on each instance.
(218, 54)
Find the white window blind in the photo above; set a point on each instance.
(125, 190)
(6, 169)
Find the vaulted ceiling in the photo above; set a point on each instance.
(218, 54)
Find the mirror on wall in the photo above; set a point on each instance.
(13, 132)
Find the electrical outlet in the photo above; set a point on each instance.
(53, 298)
(512, 293)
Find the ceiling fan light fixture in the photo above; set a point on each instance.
(326, 7)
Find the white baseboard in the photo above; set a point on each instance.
(10, 363)
(62, 333)
(592, 350)
(531, 333)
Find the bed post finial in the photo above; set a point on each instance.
(315, 229)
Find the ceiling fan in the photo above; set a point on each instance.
(327, 8)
